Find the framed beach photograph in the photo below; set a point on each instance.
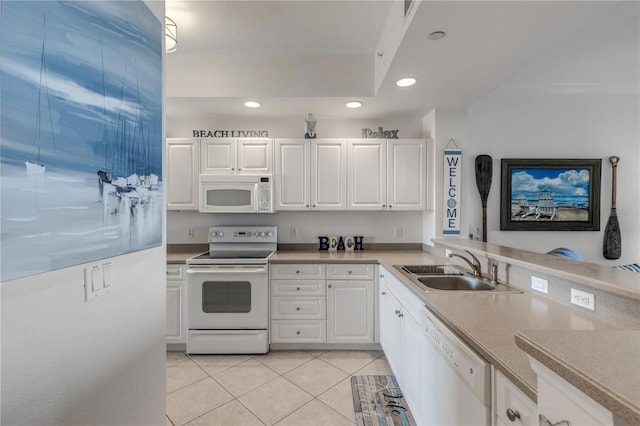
(550, 194)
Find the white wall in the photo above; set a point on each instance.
(102, 362)
(376, 227)
(579, 100)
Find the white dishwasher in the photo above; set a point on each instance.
(456, 381)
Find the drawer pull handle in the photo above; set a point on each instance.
(298, 308)
(512, 415)
(298, 332)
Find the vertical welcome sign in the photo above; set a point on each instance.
(451, 191)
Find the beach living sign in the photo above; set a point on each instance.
(451, 191)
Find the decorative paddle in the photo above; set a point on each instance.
(612, 243)
(484, 172)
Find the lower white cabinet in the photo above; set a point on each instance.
(512, 406)
(401, 338)
(176, 303)
(349, 311)
(560, 401)
(320, 303)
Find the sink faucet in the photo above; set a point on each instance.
(475, 264)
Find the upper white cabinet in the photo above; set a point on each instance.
(182, 173)
(387, 174)
(230, 156)
(310, 174)
(367, 174)
(406, 174)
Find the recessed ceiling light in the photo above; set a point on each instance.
(406, 82)
(437, 35)
(354, 104)
(252, 104)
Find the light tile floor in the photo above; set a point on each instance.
(297, 388)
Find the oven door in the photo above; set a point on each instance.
(228, 297)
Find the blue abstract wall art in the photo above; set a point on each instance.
(81, 133)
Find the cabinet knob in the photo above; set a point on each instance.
(239, 169)
(512, 415)
(298, 332)
(400, 315)
(233, 168)
(297, 272)
(350, 272)
(297, 288)
(384, 292)
(384, 205)
(329, 285)
(397, 311)
(313, 205)
(297, 308)
(307, 205)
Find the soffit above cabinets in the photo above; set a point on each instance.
(301, 56)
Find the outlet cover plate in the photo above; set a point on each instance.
(583, 299)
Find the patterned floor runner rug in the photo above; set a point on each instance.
(378, 401)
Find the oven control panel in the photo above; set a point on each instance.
(243, 234)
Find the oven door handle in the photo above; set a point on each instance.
(209, 271)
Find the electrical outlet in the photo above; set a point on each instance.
(583, 299)
(540, 285)
(397, 231)
(293, 232)
(447, 252)
(190, 232)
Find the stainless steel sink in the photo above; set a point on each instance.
(455, 283)
(444, 278)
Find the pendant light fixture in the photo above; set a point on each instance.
(170, 35)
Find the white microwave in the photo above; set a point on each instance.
(236, 194)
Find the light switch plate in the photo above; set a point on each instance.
(540, 284)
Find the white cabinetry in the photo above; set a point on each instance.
(298, 303)
(176, 303)
(558, 401)
(367, 174)
(310, 174)
(319, 303)
(401, 338)
(350, 295)
(512, 406)
(406, 174)
(387, 174)
(231, 156)
(182, 173)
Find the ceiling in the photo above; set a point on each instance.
(313, 56)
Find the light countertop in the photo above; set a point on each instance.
(489, 323)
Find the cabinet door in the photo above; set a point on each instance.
(182, 174)
(411, 379)
(292, 174)
(255, 156)
(176, 326)
(328, 174)
(390, 338)
(350, 311)
(218, 156)
(406, 174)
(367, 179)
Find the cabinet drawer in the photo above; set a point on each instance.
(510, 398)
(297, 288)
(352, 271)
(298, 307)
(297, 271)
(298, 331)
(176, 272)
